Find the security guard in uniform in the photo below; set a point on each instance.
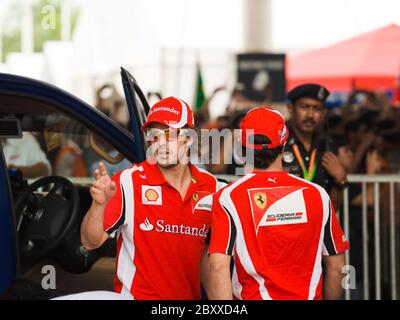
(308, 153)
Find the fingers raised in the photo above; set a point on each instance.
(98, 185)
(102, 168)
(94, 190)
(97, 174)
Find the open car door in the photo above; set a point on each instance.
(138, 109)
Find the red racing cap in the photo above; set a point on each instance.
(265, 122)
(171, 111)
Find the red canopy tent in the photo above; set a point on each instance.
(369, 61)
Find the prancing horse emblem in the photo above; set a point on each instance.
(260, 199)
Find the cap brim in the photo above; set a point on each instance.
(146, 124)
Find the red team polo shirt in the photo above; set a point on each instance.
(278, 227)
(160, 237)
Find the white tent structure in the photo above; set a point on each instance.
(158, 41)
(110, 35)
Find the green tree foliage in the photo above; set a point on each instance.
(12, 25)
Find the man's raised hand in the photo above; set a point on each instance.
(103, 189)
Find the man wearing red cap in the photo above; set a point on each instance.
(279, 228)
(152, 207)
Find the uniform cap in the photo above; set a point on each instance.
(267, 123)
(171, 111)
(311, 90)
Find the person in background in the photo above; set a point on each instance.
(375, 164)
(69, 161)
(25, 154)
(308, 153)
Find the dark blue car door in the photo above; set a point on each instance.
(138, 110)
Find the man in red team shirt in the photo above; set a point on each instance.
(151, 208)
(279, 228)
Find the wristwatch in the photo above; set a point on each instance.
(342, 183)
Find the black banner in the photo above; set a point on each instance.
(262, 76)
(160, 310)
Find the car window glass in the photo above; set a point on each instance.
(53, 143)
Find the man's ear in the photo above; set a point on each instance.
(189, 141)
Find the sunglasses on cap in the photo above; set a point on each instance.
(154, 134)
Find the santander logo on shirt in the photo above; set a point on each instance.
(146, 225)
(162, 226)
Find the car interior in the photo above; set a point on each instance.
(49, 210)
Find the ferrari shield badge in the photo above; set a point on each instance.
(260, 199)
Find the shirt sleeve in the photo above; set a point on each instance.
(223, 229)
(114, 213)
(335, 241)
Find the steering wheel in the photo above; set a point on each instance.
(44, 221)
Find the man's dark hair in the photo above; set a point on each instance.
(264, 157)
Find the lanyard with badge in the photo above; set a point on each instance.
(309, 173)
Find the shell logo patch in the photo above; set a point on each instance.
(151, 195)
